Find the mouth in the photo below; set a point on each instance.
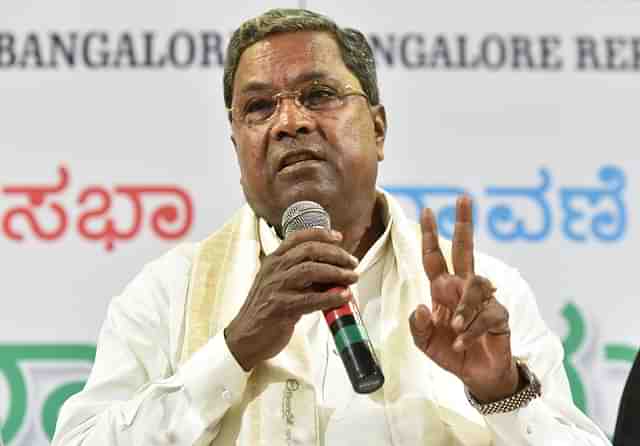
(301, 157)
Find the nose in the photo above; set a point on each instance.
(291, 120)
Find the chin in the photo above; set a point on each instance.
(310, 190)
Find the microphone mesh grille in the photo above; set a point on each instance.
(304, 215)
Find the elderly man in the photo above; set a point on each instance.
(222, 343)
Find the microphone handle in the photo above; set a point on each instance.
(354, 347)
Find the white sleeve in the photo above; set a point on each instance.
(134, 395)
(552, 419)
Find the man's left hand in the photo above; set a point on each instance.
(467, 330)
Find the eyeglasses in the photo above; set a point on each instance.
(315, 97)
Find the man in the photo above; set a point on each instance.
(222, 343)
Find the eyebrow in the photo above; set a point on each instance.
(257, 86)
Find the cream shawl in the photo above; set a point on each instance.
(279, 404)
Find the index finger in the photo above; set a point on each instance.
(308, 235)
(462, 243)
(432, 258)
(319, 301)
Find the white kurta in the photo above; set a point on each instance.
(136, 395)
(345, 417)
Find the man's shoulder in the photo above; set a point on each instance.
(180, 255)
(160, 278)
(177, 260)
(176, 264)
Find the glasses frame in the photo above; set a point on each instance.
(346, 91)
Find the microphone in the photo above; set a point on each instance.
(347, 328)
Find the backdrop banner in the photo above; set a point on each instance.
(115, 147)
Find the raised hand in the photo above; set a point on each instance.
(294, 280)
(467, 330)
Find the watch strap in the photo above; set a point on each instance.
(518, 400)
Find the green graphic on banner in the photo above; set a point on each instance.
(575, 341)
(10, 357)
(13, 354)
(54, 402)
(572, 343)
(619, 352)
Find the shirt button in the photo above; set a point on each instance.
(529, 430)
(226, 394)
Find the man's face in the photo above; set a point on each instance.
(329, 157)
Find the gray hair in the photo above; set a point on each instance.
(354, 48)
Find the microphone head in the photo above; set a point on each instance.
(304, 215)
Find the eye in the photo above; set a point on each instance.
(259, 105)
(319, 96)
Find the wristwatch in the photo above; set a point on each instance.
(518, 400)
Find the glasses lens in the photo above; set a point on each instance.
(320, 97)
(258, 109)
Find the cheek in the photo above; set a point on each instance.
(355, 139)
(250, 158)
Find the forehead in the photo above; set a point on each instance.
(281, 60)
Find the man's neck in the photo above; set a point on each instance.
(361, 237)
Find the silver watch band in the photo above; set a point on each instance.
(514, 402)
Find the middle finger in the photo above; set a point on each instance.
(462, 242)
(306, 274)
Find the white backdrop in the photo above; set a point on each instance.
(114, 147)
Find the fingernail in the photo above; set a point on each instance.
(420, 316)
(458, 344)
(355, 260)
(336, 235)
(458, 322)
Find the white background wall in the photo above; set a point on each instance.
(481, 130)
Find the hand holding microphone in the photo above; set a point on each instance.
(287, 287)
(308, 272)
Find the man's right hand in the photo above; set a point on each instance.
(297, 278)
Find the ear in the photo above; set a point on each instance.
(380, 128)
(235, 147)
(233, 141)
